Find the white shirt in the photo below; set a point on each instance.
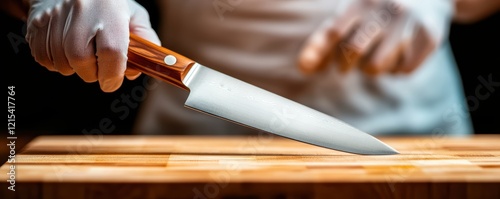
(258, 42)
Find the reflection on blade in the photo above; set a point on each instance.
(223, 96)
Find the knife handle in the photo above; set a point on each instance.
(157, 61)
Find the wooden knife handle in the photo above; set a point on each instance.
(157, 61)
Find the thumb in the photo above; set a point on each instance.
(140, 24)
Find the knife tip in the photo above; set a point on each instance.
(388, 150)
(379, 148)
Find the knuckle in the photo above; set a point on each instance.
(78, 5)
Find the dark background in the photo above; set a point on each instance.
(476, 48)
(48, 103)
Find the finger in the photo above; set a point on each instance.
(132, 74)
(81, 56)
(421, 46)
(141, 25)
(384, 57)
(57, 38)
(367, 35)
(111, 49)
(343, 57)
(80, 49)
(37, 31)
(111, 61)
(359, 45)
(320, 47)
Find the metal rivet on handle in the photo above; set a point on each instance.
(170, 60)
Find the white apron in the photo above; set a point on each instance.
(258, 41)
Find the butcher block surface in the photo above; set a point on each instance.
(261, 166)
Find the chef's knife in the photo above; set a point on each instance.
(220, 95)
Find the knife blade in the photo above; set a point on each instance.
(228, 98)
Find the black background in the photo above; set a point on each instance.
(48, 103)
(476, 48)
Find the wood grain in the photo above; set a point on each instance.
(149, 58)
(253, 167)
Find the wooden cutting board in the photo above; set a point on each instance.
(261, 166)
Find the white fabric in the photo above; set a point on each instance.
(258, 41)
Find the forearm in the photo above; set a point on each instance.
(16, 8)
(470, 11)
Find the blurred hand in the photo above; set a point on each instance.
(472, 11)
(89, 37)
(378, 36)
